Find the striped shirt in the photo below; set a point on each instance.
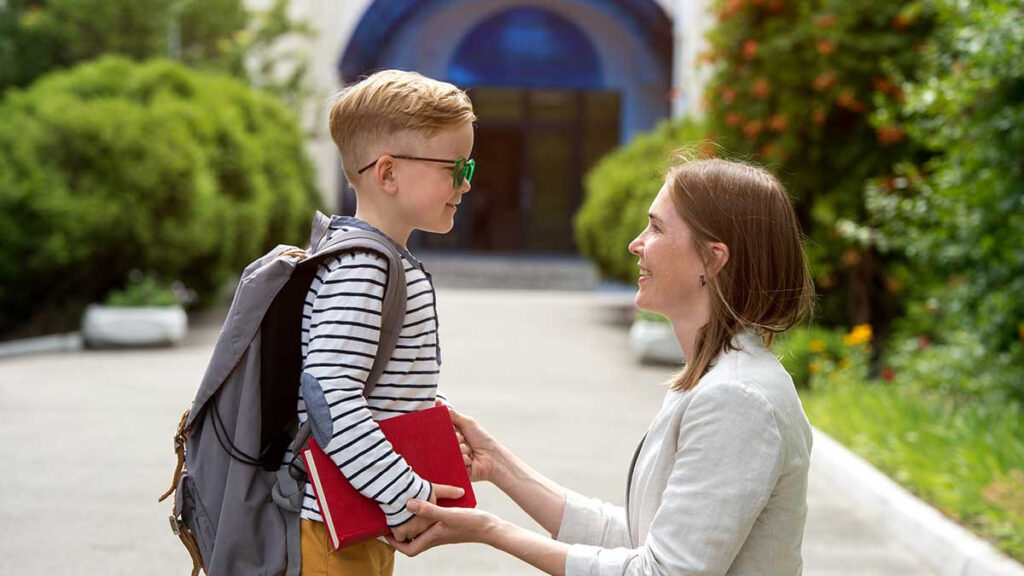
(340, 332)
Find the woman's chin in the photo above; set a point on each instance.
(642, 302)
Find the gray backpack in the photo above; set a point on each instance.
(236, 507)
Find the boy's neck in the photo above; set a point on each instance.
(375, 217)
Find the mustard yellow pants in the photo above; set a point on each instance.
(319, 558)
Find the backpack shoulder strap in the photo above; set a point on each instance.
(394, 304)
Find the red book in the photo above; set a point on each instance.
(425, 439)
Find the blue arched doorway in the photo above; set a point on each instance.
(554, 87)
(526, 47)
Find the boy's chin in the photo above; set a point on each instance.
(440, 227)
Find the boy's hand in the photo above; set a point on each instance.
(413, 528)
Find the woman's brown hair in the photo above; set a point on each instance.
(765, 286)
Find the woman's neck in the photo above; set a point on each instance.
(686, 327)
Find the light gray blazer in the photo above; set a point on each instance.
(718, 485)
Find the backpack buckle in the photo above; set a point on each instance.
(175, 525)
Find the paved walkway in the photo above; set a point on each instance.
(85, 438)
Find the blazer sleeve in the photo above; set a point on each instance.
(728, 460)
(593, 522)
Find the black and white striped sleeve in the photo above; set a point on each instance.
(344, 331)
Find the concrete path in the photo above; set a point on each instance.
(85, 438)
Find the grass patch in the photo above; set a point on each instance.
(965, 458)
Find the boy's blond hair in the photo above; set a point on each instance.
(388, 102)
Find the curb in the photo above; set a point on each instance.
(946, 547)
(69, 342)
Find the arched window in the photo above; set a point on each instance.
(526, 47)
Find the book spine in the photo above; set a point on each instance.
(321, 500)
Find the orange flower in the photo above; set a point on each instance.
(778, 123)
(901, 22)
(705, 58)
(893, 285)
(888, 374)
(733, 119)
(730, 8)
(761, 89)
(825, 47)
(848, 100)
(707, 149)
(889, 134)
(774, 5)
(753, 128)
(825, 21)
(769, 150)
(861, 334)
(882, 84)
(824, 81)
(728, 95)
(851, 257)
(819, 116)
(750, 48)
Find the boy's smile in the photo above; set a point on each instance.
(426, 196)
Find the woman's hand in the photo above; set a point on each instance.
(450, 526)
(418, 524)
(480, 451)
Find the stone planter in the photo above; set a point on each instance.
(654, 342)
(118, 326)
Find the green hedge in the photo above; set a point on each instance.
(619, 190)
(115, 165)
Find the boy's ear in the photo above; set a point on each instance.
(384, 174)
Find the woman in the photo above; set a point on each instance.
(719, 483)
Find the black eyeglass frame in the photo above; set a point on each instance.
(464, 167)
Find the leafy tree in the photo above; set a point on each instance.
(38, 36)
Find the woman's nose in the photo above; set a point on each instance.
(635, 246)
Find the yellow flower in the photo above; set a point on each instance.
(844, 363)
(815, 367)
(861, 334)
(816, 346)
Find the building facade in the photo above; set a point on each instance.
(555, 84)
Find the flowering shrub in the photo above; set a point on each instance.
(793, 86)
(813, 355)
(956, 219)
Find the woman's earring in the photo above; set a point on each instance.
(703, 282)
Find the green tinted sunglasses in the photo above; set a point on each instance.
(463, 171)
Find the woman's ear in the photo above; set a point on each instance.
(719, 257)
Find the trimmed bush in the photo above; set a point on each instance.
(114, 166)
(619, 190)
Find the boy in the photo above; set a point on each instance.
(405, 142)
